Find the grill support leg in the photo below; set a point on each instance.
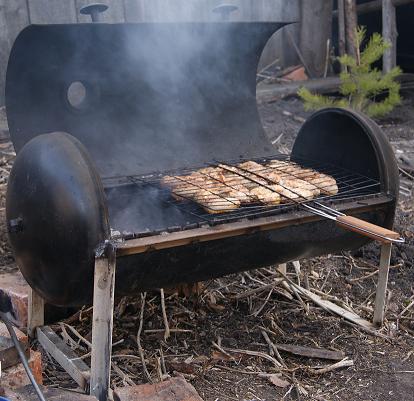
(102, 324)
(35, 312)
(382, 283)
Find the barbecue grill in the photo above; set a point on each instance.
(100, 113)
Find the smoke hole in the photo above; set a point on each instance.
(76, 94)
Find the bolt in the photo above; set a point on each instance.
(94, 10)
(225, 10)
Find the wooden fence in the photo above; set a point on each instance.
(16, 14)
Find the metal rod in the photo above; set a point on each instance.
(22, 356)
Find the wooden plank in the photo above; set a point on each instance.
(4, 49)
(17, 17)
(52, 12)
(180, 238)
(13, 18)
(382, 284)
(134, 10)
(67, 359)
(389, 33)
(316, 29)
(114, 14)
(36, 312)
(102, 325)
(28, 393)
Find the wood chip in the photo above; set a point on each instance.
(277, 380)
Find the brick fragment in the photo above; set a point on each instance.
(16, 377)
(297, 74)
(15, 287)
(174, 389)
(27, 393)
(8, 353)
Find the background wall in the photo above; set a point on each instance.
(16, 14)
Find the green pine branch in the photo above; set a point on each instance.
(361, 84)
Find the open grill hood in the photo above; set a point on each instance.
(160, 97)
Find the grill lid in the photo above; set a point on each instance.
(141, 97)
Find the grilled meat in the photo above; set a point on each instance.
(225, 188)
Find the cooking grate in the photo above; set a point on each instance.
(350, 186)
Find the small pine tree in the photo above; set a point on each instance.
(360, 83)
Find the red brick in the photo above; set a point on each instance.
(19, 334)
(8, 353)
(16, 377)
(15, 287)
(298, 74)
(174, 389)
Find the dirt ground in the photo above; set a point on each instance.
(214, 333)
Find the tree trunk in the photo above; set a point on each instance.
(316, 29)
(351, 24)
(341, 28)
(389, 33)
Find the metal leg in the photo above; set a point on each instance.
(103, 305)
(36, 312)
(382, 283)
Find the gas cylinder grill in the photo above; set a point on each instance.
(157, 99)
(171, 98)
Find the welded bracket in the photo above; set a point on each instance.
(383, 270)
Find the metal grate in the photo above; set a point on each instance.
(350, 186)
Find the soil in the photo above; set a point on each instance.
(213, 326)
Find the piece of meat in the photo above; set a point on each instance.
(251, 166)
(292, 194)
(240, 192)
(214, 204)
(319, 182)
(266, 196)
(251, 180)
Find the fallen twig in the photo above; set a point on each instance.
(255, 353)
(330, 306)
(164, 316)
(341, 364)
(140, 349)
(273, 348)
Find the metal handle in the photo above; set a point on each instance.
(94, 10)
(225, 10)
